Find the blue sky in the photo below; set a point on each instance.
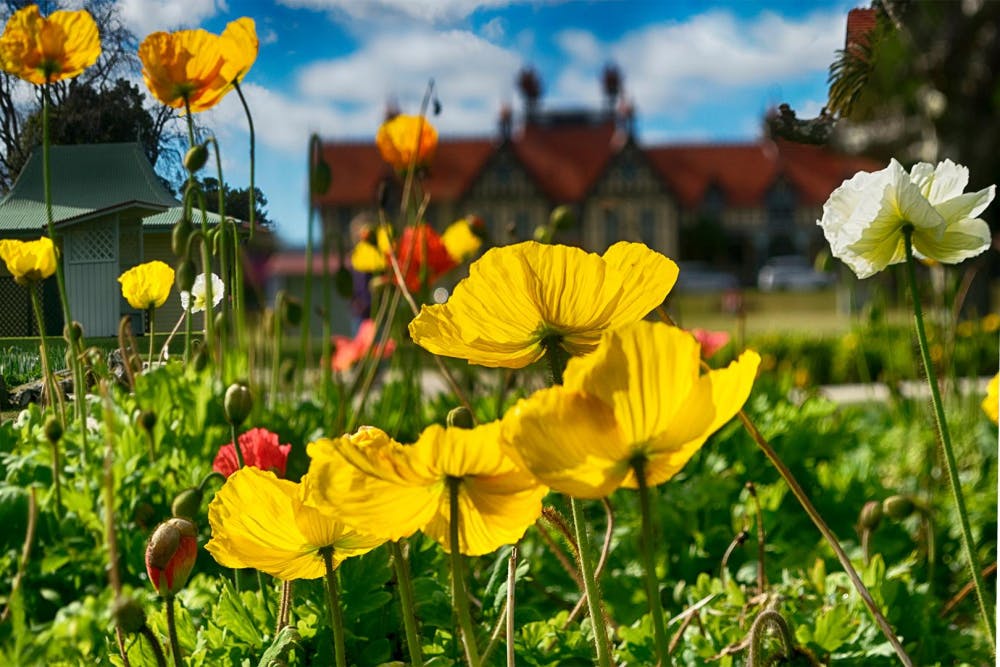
(695, 71)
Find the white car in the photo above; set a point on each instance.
(791, 272)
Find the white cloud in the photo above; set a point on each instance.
(146, 16)
(495, 29)
(431, 11)
(677, 65)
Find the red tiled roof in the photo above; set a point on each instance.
(745, 172)
(565, 161)
(356, 169)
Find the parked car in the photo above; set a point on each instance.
(701, 277)
(791, 272)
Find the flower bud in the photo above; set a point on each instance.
(187, 503)
(562, 217)
(320, 177)
(185, 275)
(128, 613)
(291, 310)
(179, 237)
(201, 358)
(287, 371)
(170, 555)
(871, 515)
(196, 158)
(73, 332)
(148, 419)
(238, 403)
(53, 429)
(460, 417)
(898, 507)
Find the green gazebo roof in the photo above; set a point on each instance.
(89, 181)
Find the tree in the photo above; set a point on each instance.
(99, 105)
(236, 201)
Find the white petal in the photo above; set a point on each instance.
(960, 241)
(969, 205)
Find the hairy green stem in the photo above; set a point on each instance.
(646, 549)
(333, 608)
(154, 643)
(459, 597)
(986, 607)
(175, 644)
(152, 334)
(407, 601)
(590, 588)
(769, 618)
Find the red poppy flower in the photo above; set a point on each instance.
(260, 449)
(349, 351)
(422, 256)
(170, 555)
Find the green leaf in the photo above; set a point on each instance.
(277, 652)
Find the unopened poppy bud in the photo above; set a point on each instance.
(179, 237)
(196, 158)
(148, 419)
(187, 503)
(287, 371)
(185, 275)
(201, 358)
(170, 555)
(238, 403)
(542, 234)
(871, 515)
(221, 323)
(73, 332)
(898, 507)
(562, 217)
(129, 614)
(53, 429)
(291, 310)
(460, 417)
(344, 283)
(320, 178)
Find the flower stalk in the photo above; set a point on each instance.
(401, 567)
(646, 549)
(175, 644)
(333, 608)
(459, 596)
(985, 605)
(590, 587)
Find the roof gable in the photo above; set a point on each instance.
(87, 180)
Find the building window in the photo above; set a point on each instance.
(522, 223)
(612, 228)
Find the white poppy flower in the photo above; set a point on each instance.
(863, 218)
(198, 290)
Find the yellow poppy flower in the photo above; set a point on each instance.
(520, 298)
(42, 50)
(367, 258)
(991, 404)
(639, 396)
(29, 261)
(401, 136)
(460, 241)
(367, 479)
(259, 521)
(196, 66)
(147, 285)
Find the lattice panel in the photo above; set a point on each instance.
(97, 244)
(17, 319)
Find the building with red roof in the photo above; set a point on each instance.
(761, 199)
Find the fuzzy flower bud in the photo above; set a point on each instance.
(898, 507)
(871, 515)
(238, 403)
(170, 555)
(187, 503)
(129, 614)
(196, 158)
(460, 417)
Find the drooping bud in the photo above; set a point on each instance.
(170, 555)
(179, 237)
(196, 158)
(562, 217)
(201, 358)
(291, 310)
(187, 503)
(238, 403)
(185, 275)
(871, 515)
(73, 332)
(898, 507)
(148, 420)
(460, 417)
(128, 613)
(320, 178)
(53, 429)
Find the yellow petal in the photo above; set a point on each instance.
(569, 441)
(647, 278)
(713, 400)
(460, 242)
(147, 285)
(239, 47)
(255, 519)
(366, 258)
(990, 403)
